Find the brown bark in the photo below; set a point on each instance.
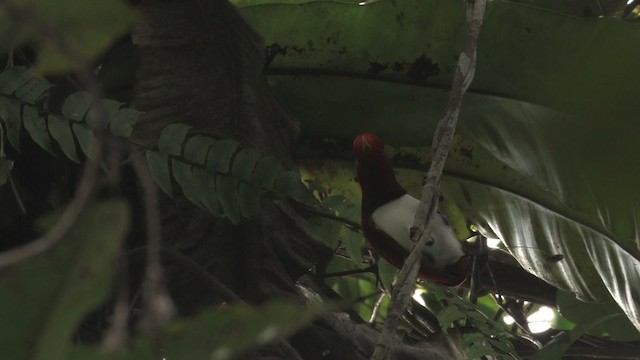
(201, 64)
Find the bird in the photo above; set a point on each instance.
(387, 218)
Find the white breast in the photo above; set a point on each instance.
(396, 219)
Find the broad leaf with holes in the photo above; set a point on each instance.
(545, 158)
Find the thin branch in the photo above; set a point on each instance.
(311, 210)
(376, 307)
(406, 278)
(117, 332)
(158, 306)
(480, 250)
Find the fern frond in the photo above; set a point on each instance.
(23, 96)
(217, 175)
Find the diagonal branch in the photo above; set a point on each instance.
(406, 278)
(158, 306)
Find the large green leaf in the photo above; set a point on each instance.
(44, 298)
(524, 53)
(551, 114)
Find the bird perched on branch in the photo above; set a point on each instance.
(387, 218)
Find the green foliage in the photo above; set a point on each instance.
(544, 159)
(67, 33)
(614, 327)
(337, 232)
(12, 121)
(22, 95)
(326, 231)
(43, 300)
(76, 105)
(172, 138)
(37, 128)
(216, 334)
(555, 348)
(219, 175)
(224, 151)
(227, 183)
(196, 148)
(60, 130)
(490, 337)
(361, 290)
(351, 238)
(263, 2)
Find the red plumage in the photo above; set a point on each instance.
(443, 264)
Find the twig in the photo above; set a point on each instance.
(158, 306)
(311, 210)
(116, 334)
(376, 307)
(373, 269)
(406, 278)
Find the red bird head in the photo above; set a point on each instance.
(388, 212)
(374, 171)
(367, 147)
